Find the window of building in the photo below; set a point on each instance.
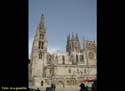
(40, 55)
(42, 44)
(39, 44)
(63, 62)
(76, 58)
(81, 58)
(68, 82)
(84, 70)
(41, 83)
(81, 72)
(69, 70)
(63, 59)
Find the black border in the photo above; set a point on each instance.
(105, 39)
(14, 44)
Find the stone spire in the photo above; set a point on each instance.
(83, 42)
(68, 43)
(73, 38)
(39, 51)
(40, 42)
(68, 37)
(77, 38)
(41, 24)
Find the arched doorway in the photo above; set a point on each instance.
(68, 83)
(60, 83)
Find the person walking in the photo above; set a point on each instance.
(86, 88)
(82, 87)
(54, 87)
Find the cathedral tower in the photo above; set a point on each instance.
(90, 50)
(39, 52)
(73, 44)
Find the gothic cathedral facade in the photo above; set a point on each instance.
(67, 69)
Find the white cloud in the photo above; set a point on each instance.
(53, 49)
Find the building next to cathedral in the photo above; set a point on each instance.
(67, 69)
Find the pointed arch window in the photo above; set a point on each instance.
(76, 58)
(40, 43)
(69, 70)
(81, 58)
(40, 55)
(84, 70)
(50, 71)
(63, 59)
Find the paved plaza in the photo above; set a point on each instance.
(58, 89)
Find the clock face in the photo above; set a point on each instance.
(91, 55)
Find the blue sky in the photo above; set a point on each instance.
(61, 18)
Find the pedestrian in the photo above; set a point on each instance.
(86, 88)
(54, 86)
(82, 87)
(94, 86)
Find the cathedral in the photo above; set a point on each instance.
(64, 69)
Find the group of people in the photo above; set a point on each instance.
(53, 87)
(86, 88)
(94, 86)
(82, 87)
